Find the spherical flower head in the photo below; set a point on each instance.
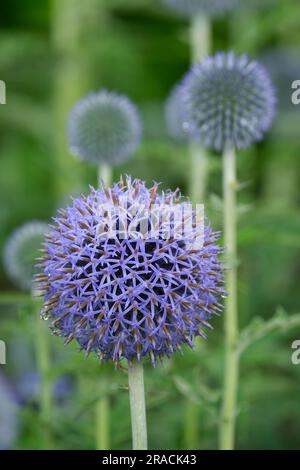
(190, 8)
(174, 117)
(21, 251)
(105, 128)
(228, 101)
(127, 293)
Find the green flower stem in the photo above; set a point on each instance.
(102, 408)
(227, 432)
(102, 423)
(72, 22)
(104, 174)
(43, 359)
(198, 175)
(137, 405)
(200, 39)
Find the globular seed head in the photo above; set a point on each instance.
(104, 127)
(208, 7)
(122, 294)
(228, 100)
(21, 251)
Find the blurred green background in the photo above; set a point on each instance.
(52, 53)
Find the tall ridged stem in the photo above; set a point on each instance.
(43, 360)
(102, 423)
(200, 39)
(137, 405)
(72, 21)
(199, 169)
(227, 431)
(104, 174)
(102, 408)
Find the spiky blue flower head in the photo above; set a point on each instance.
(123, 295)
(173, 115)
(104, 127)
(190, 8)
(228, 100)
(21, 251)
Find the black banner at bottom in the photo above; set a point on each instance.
(135, 459)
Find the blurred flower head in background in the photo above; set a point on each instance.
(104, 127)
(228, 100)
(174, 117)
(128, 297)
(21, 251)
(207, 7)
(9, 422)
(29, 387)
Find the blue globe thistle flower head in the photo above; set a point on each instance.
(212, 8)
(174, 116)
(104, 127)
(21, 251)
(9, 419)
(122, 294)
(228, 100)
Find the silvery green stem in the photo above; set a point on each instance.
(200, 39)
(198, 172)
(137, 405)
(43, 362)
(227, 432)
(104, 174)
(70, 21)
(103, 404)
(102, 423)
